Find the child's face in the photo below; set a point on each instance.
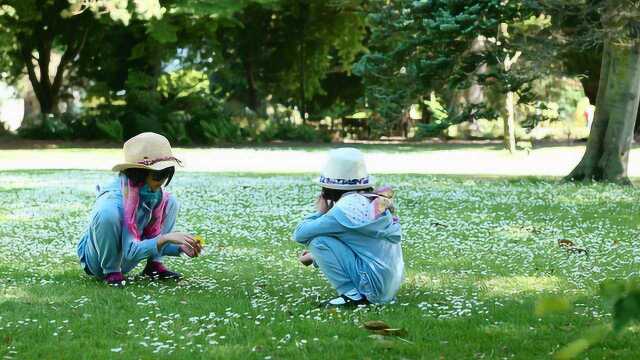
(154, 181)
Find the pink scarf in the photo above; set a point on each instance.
(131, 195)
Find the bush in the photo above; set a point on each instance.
(4, 131)
(111, 129)
(288, 131)
(221, 131)
(50, 127)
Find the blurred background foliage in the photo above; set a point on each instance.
(227, 71)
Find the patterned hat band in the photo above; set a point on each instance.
(149, 162)
(330, 181)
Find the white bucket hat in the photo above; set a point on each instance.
(147, 151)
(345, 170)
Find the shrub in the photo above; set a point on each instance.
(111, 129)
(288, 131)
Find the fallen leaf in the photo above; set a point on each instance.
(566, 243)
(376, 325)
(570, 247)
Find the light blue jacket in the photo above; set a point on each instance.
(376, 244)
(107, 246)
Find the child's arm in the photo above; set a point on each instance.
(315, 225)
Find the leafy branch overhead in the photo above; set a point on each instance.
(418, 47)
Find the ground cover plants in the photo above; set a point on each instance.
(479, 253)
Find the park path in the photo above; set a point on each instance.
(547, 161)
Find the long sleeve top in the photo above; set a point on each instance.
(376, 242)
(107, 231)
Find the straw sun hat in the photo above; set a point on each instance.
(147, 151)
(345, 170)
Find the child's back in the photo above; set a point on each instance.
(375, 240)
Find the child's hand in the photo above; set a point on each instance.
(306, 258)
(321, 205)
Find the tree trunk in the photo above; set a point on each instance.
(303, 96)
(510, 124)
(607, 155)
(252, 92)
(48, 91)
(510, 105)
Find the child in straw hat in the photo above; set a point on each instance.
(133, 216)
(353, 237)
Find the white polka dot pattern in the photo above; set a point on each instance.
(357, 208)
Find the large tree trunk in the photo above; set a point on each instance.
(607, 155)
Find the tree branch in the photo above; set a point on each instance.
(44, 55)
(33, 78)
(67, 57)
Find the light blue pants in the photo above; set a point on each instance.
(337, 262)
(106, 247)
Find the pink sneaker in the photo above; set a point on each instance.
(157, 270)
(115, 279)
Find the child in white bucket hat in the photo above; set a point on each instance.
(133, 217)
(353, 237)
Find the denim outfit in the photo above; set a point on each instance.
(107, 245)
(365, 256)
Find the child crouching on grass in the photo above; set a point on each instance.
(133, 217)
(353, 237)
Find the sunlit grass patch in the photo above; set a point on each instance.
(507, 285)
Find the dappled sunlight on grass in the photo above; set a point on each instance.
(420, 280)
(514, 285)
(14, 294)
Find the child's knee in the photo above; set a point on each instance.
(173, 206)
(321, 243)
(108, 216)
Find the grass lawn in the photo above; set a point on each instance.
(478, 254)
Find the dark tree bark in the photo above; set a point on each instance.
(303, 96)
(607, 155)
(252, 91)
(48, 91)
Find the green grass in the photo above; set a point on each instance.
(470, 288)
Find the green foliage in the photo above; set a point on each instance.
(50, 127)
(184, 83)
(417, 47)
(625, 297)
(552, 304)
(111, 129)
(288, 131)
(310, 40)
(591, 337)
(221, 131)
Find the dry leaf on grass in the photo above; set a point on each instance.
(376, 325)
(566, 243)
(570, 247)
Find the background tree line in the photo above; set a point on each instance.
(229, 71)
